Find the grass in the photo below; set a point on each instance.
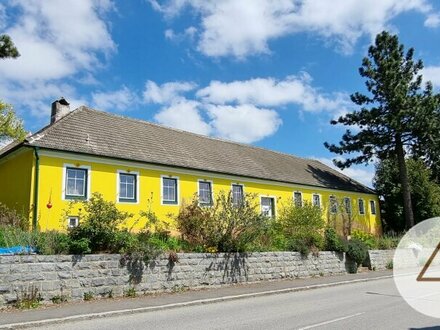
(88, 296)
(130, 293)
(28, 298)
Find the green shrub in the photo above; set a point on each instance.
(52, 242)
(2, 237)
(388, 242)
(99, 225)
(369, 239)
(153, 240)
(271, 239)
(166, 242)
(80, 246)
(124, 241)
(389, 265)
(302, 226)
(223, 227)
(15, 236)
(10, 217)
(334, 242)
(357, 251)
(195, 224)
(306, 243)
(140, 248)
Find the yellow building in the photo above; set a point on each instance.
(140, 165)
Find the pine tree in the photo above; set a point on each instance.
(7, 47)
(395, 118)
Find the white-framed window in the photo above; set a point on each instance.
(267, 206)
(128, 187)
(316, 200)
(333, 204)
(237, 194)
(298, 198)
(72, 221)
(205, 192)
(361, 205)
(347, 205)
(170, 190)
(76, 182)
(373, 207)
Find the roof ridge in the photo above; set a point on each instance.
(196, 134)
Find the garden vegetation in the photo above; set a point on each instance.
(222, 227)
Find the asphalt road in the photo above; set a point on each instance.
(369, 305)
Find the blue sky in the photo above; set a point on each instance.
(267, 72)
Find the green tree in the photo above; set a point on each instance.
(429, 149)
(7, 47)
(396, 116)
(10, 126)
(425, 192)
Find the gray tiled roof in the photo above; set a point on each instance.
(89, 131)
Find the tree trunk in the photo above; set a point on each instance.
(403, 174)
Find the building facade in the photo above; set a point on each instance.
(142, 166)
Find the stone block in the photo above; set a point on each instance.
(5, 269)
(64, 275)
(4, 288)
(65, 267)
(29, 277)
(98, 281)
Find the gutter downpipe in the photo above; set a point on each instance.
(36, 182)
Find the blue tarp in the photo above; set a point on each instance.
(17, 250)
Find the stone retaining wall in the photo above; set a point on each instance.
(379, 259)
(109, 274)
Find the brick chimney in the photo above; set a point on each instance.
(60, 108)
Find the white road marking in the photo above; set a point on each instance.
(331, 321)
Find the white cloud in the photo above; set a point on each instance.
(432, 21)
(271, 92)
(243, 111)
(166, 93)
(120, 99)
(36, 97)
(432, 73)
(360, 173)
(59, 44)
(189, 33)
(56, 39)
(243, 123)
(3, 16)
(184, 115)
(169, 34)
(339, 21)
